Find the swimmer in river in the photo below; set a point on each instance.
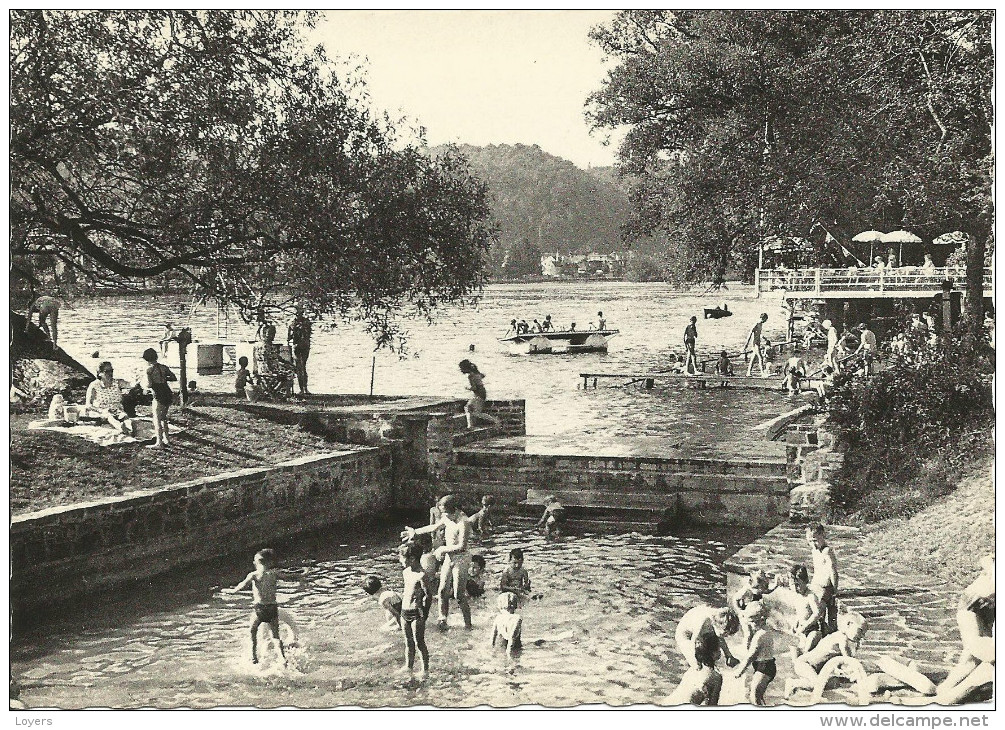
(508, 625)
(515, 579)
(48, 310)
(553, 517)
(701, 639)
(388, 600)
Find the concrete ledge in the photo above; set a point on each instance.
(60, 553)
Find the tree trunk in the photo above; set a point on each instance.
(975, 287)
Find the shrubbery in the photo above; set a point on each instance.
(911, 427)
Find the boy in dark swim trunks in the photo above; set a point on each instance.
(263, 587)
(414, 602)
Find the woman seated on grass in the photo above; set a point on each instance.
(104, 399)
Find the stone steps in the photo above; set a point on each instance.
(488, 458)
(638, 482)
(587, 524)
(603, 500)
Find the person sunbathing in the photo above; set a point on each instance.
(842, 643)
(975, 616)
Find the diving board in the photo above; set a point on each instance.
(771, 382)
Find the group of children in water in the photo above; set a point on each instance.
(436, 560)
(771, 616)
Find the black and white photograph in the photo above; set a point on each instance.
(502, 358)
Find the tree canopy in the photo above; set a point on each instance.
(217, 147)
(745, 124)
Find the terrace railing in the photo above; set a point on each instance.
(905, 279)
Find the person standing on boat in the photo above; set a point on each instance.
(601, 322)
(299, 339)
(754, 343)
(547, 326)
(690, 347)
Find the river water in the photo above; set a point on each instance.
(610, 603)
(651, 318)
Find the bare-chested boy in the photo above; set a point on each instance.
(456, 557)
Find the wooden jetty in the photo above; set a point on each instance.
(771, 382)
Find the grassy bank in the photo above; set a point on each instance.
(948, 538)
(50, 469)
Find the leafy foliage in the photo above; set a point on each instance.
(215, 146)
(747, 124)
(911, 424)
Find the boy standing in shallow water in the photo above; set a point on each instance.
(413, 606)
(263, 587)
(456, 557)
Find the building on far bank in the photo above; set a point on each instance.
(583, 265)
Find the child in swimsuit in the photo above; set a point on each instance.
(825, 577)
(764, 646)
(414, 602)
(554, 515)
(515, 579)
(508, 626)
(476, 578)
(157, 377)
(388, 600)
(807, 665)
(263, 587)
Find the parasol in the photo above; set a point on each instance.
(870, 237)
(900, 237)
(956, 238)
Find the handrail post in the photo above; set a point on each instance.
(816, 280)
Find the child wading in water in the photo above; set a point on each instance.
(263, 587)
(157, 377)
(388, 600)
(414, 606)
(456, 557)
(508, 625)
(476, 384)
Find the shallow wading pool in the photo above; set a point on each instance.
(609, 609)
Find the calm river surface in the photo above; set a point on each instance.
(610, 603)
(651, 318)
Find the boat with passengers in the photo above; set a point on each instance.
(559, 341)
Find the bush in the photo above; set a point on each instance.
(910, 426)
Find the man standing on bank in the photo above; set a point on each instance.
(299, 338)
(755, 346)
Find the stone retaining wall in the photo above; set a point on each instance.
(61, 553)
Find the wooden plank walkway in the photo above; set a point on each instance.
(772, 382)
